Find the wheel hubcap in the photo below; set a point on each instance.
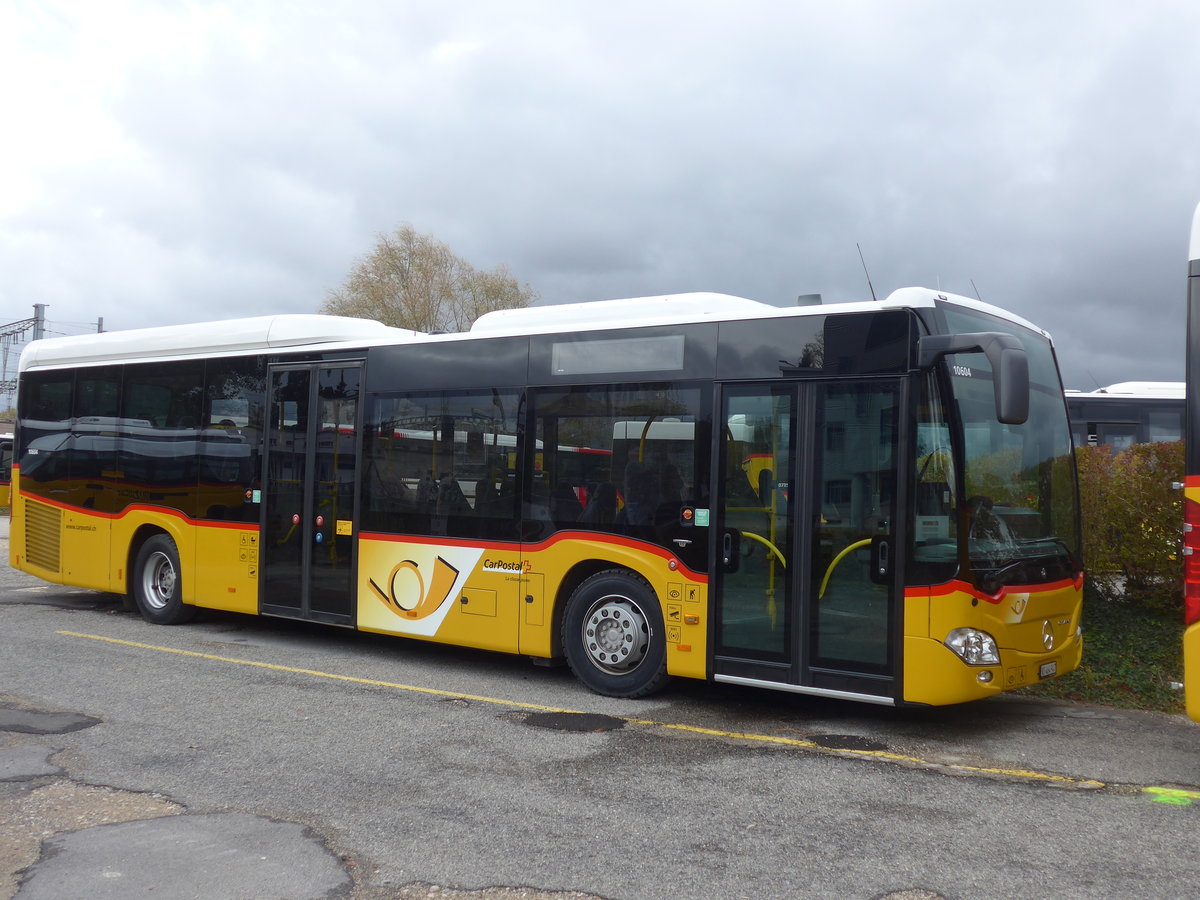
(616, 635)
(159, 581)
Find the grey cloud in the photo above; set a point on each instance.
(1044, 153)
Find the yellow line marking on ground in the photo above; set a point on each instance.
(457, 695)
(886, 755)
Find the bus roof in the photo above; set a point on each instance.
(294, 331)
(1141, 390)
(679, 309)
(261, 333)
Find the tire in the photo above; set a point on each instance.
(156, 588)
(613, 635)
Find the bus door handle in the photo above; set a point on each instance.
(881, 559)
(730, 549)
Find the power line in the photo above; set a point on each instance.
(15, 336)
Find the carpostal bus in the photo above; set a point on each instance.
(6, 458)
(873, 501)
(1191, 502)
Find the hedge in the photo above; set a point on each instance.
(1131, 523)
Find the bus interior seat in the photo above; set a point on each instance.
(565, 504)
(450, 498)
(601, 508)
(765, 483)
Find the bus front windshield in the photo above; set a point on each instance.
(1019, 494)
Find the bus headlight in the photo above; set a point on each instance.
(974, 647)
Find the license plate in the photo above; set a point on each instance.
(1047, 670)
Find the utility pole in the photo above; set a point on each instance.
(12, 336)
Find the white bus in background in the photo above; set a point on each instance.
(1131, 412)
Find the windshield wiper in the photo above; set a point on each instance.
(1038, 569)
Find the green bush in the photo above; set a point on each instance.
(1132, 607)
(1131, 656)
(1131, 524)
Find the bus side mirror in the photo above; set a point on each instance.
(1005, 354)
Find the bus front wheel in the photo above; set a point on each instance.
(613, 635)
(156, 587)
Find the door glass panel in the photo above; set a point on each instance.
(854, 491)
(754, 536)
(333, 490)
(287, 474)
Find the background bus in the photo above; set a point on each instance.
(1191, 502)
(1132, 412)
(872, 501)
(6, 459)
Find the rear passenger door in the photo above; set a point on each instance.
(310, 488)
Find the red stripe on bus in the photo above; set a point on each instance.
(514, 547)
(951, 587)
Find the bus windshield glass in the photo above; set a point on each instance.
(1019, 491)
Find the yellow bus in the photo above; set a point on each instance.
(1191, 502)
(871, 501)
(6, 458)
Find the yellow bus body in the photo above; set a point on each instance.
(1191, 669)
(1191, 634)
(1020, 621)
(92, 550)
(506, 596)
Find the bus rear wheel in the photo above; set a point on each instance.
(613, 635)
(156, 587)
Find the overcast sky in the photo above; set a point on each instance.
(166, 162)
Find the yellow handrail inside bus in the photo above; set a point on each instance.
(771, 609)
(642, 442)
(762, 540)
(846, 551)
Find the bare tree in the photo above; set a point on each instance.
(413, 280)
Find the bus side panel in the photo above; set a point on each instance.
(226, 568)
(38, 526)
(502, 596)
(1019, 622)
(64, 545)
(445, 591)
(218, 563)
(1191, 669)
(86, 542)
(1191, 568)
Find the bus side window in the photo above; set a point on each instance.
(437, 464)
(621, 459)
